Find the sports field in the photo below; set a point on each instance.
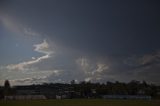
(82, 102)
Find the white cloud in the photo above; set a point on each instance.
(33, 58)
(101, 67)
(93, 70)
(29, 77)
(84, 64)
(88, 79)
(41, 48)
(57, 72)
(27, 81)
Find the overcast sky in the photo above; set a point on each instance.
(83, 40)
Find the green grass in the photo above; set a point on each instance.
(81, 102)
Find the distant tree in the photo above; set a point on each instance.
(72, 82)
(6, 84)
(144, 84)
(7, 88)
(133, 87)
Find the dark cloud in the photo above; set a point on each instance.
(100, 27)
(103, 32)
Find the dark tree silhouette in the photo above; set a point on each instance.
(7, 88)
(7, 84)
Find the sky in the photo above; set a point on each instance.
(50, 41)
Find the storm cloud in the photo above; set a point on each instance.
(92, 40)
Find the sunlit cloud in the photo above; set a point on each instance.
(88, 79)
(101, 67)
(93, 70)
(41, 48)
(28, 81)
(83, 63)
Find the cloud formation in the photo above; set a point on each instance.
(143, 60)
(96, 41)
(41, 48)
(93, 70)
(28, 81)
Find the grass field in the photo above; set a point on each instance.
(82, 102)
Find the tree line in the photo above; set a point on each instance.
(86, 89)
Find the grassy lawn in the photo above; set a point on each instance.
(82, 102)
